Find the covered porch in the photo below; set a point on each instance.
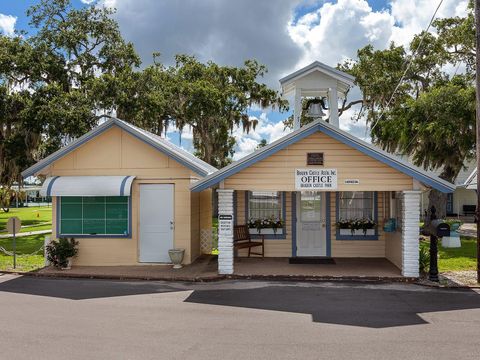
(309, 240)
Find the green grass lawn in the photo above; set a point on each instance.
(33, 218)
(25, 245)
(457, 259)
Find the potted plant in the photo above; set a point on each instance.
(61, 252)
(176, 256)
(270, 225)
(354, 226)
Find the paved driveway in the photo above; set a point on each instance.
(96, 319)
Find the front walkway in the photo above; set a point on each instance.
(203, 269)
(343, 268)
(468, 229)
(26, 233)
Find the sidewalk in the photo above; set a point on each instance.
(468, 229)
(203, 269)
(28, 233)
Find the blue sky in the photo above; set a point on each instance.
(285, 37)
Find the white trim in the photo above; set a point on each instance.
(410, 232)
(225, 241)
(341, 76)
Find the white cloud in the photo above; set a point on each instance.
(88, 2)
(331, 31)
(413, 16)
(7, 24)
(266, 129)
(334, 32)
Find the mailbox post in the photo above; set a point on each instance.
(433, 271)
(436, 229)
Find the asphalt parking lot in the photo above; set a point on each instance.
(99, 319)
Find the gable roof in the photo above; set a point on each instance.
(345, 79)
(471, 182)
(338, 134)
(183, 157)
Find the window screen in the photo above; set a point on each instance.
(264, 204)
(356, 205)
(96, 215)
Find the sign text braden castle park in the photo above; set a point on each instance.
(315, 179)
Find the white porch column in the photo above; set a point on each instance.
(225, 238)
(297, 109)
(410, 232)
(333, 104)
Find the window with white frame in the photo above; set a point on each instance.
(356, 205)
(265, 205)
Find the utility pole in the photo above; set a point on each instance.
(477, 107)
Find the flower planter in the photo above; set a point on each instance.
(69, 264)
(266, 231)
(348, 232)
(176, 256)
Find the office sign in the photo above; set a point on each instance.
(315, 179)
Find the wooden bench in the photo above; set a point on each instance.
(242, 240)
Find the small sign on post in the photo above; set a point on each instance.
(225, 225)
(13, 227)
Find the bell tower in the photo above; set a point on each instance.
(321, 86)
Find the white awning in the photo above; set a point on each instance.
(87, 186)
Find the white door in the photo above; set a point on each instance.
(156, 222)
(311, 224)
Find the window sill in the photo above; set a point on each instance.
(268, 234)
(346, 234)
(266, 231)
(86, 236)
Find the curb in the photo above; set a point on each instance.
(115, 277)
(215, 278)
(287, 278)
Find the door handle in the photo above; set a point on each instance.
(172, 225)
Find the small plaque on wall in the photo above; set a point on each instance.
(314, 158)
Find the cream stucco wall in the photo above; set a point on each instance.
(115, 152)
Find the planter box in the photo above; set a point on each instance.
(266, 231)
(348, 232)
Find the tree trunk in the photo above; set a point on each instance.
(439, 201)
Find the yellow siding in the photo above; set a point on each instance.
(340, 248)
(276, 247)
(393, 248)
(276, 172)
(357, 248)
(115, 152)
(195, 225)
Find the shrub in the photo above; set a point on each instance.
(58, 251)
(424, 259)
